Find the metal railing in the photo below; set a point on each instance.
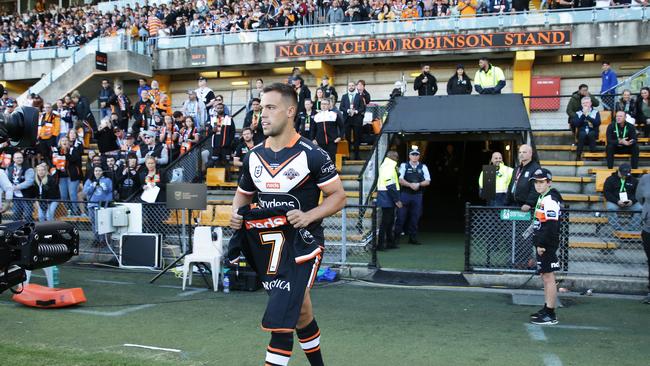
(312, 30)
(370, 170)
(349, 234)
(634, 82)
(591, 242)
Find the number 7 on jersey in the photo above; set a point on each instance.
(276, 240)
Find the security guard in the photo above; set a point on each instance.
(388, 198)
(504, 175)
(413, 176)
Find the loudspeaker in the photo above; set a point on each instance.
(141, 250)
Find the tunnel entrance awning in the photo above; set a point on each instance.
(458, 114)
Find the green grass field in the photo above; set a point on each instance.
(439, 251)
(361, 325)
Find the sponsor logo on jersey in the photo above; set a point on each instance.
(555, 265)
(551, 214)
(270, 200)
(305, 145)
(272, 185)
(277, 283)
(325, 154)
(328, 168)
(258, 171)
(267, 223)
(291, 173)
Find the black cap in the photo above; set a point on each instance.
(542, 174)
(202, 78)
(625, 169)
(5, 92)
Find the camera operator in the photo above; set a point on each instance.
(46, 191)
(128, 179)
(99, 191)
(49, 125)
(21, 177)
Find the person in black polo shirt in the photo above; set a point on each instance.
(305, 119)
(413, 177)
(620, 193)
(253, 120)
(622, 139)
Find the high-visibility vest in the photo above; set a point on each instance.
(387, 175)
(489, 78)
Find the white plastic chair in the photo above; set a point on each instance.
(205, 251)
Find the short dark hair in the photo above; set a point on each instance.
(583, 86)
(106, 80)
(484, 58)
(286, 91)
(218, 96)
(260, 80)
(246, 129)
(177, 114)
(256, 100)
(363, 82)
(606, 63)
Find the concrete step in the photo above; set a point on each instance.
(351, 185)
(351, 169)
(553, 137)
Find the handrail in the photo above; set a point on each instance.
(645, 70)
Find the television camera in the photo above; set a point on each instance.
(23, 245)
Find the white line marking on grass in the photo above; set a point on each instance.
(535, 332)
(551, 359)
(153, 348)
(112, 282)
(113, 313)
(579, 327)
(193, 292)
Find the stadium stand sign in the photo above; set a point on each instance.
(548, 38)
(101, 61)
(514, 215)
(198, 56)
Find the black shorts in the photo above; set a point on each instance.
(548, 262)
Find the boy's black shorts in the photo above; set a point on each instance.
(548, 262)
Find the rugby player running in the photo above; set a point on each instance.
(279, 110)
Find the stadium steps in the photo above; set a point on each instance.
(587, 242)
(627, 235)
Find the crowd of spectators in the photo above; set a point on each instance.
(75, 26)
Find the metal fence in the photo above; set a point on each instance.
(349, 234)
(591, 242)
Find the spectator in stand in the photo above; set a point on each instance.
(643, 110)
(152, 148)
(467, 8)
(65, 117)
(244, 146)
(151, 177)
(205, 94)
(223, 136)
(49, 126)
(441, 9)
(328, 90)
(361, 89)
(83, 112)
(587, 123)
(254, 121)
(334, 14)
(106, 139)
(643, 197)
(328, 128)
(387, 13)
(561, 4)
(607, 89)
(620, 194)
(105, 94)
(21, 177)
(575, 104)
(188, 135)
(489, 79)
(303, 93)
(219, 100)
(153, 24)
(112, 172)
(460, 83)
(622, 139)
(3, 101)
(128, 179)
(520, 5)
(257, 92)
(142, 86)
(99, 191)
(129, 146)
(120, 105)
(169, 136)
(584, 3)
(410, 12)
(304, 121)
(353, 109)
(425, 83)
(66, 169)
(320, 95)
(46, 192)
(627, 104)
(142, 113)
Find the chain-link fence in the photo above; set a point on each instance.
(591, 242)
(349, 234)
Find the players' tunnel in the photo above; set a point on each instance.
(456, 136)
